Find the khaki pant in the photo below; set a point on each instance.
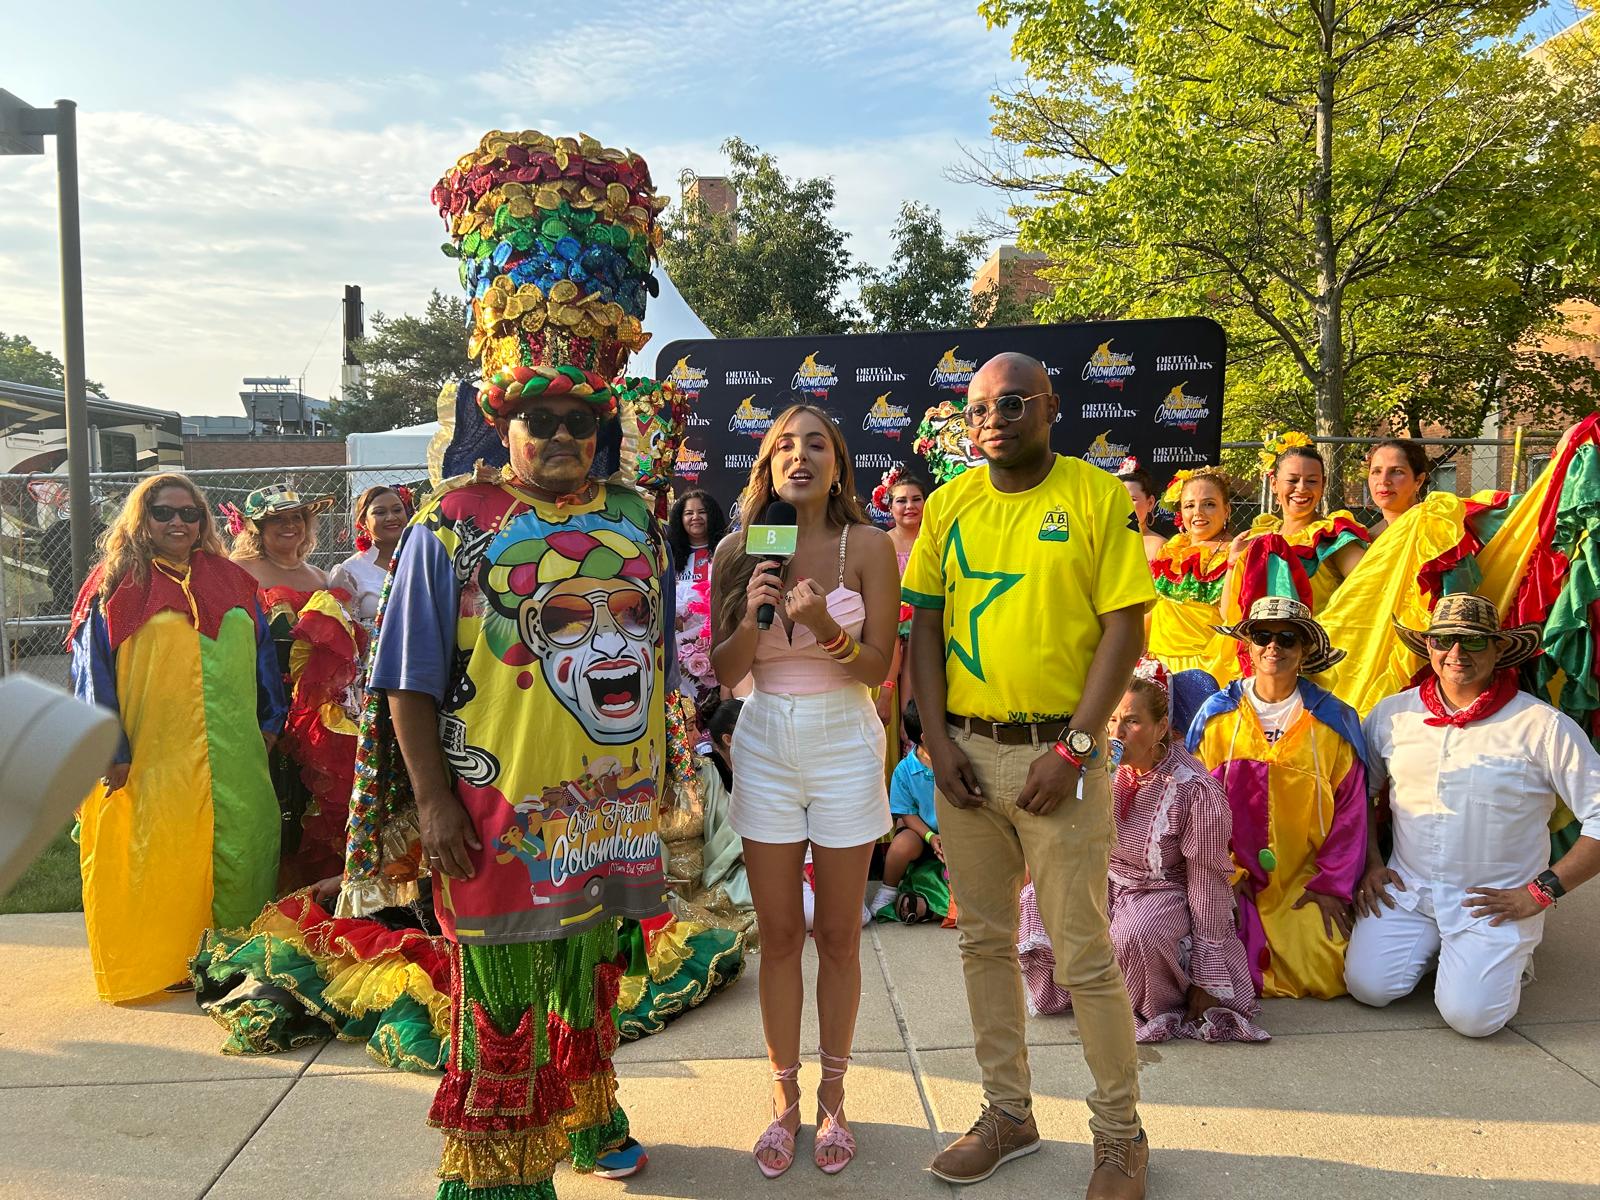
(986, 850)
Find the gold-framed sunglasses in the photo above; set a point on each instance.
(1010, 406)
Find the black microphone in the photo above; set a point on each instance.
(772, 541)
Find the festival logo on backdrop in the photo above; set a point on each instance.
(745, 379)
(814, 380)
(885, 418)
(1183, 411)
(879, 375)
(1181, 456)
(691, 463)
(1108, 366)
(1106, 454)
(750, 418)
(690, 381)
(952, 373)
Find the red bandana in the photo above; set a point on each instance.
(1490, 701)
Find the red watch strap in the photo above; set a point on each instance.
(1061, 749)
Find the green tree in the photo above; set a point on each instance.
(405, 360)
(927, 285)
(775, 266)
(23, 362)
(1383, 203)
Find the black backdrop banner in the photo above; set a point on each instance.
(1152, 389)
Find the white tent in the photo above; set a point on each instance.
(667, 318)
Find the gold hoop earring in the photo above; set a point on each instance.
(835, 489)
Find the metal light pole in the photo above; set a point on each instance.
(23, 129)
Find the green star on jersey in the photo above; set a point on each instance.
(993, 585)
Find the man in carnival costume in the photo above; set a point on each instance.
(521, 656)
(1473, 768)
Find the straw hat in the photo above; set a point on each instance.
(1473, 616)
(1282, 610)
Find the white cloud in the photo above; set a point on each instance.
(219, 231)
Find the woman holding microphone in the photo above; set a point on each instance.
(810, 749)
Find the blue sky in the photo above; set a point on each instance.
(241, 163)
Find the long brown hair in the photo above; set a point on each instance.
(844, 506)
(126, 547)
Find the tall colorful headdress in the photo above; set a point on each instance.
(555, 238)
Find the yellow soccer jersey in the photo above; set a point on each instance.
(1022, 579)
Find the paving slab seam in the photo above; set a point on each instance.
(256, 1128)
(910, 1048)
(162, 1082)
(1549, 1053)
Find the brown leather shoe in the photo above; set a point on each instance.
(996, 1139)
(1120, 1167)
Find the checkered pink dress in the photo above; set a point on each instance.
(1171, 910)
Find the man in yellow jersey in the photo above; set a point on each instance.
(1030, 585)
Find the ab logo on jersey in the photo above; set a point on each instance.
(1054, 527)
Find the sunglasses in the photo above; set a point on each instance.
(190, 514)
(1445, 642)
(567, 620)
(1011, 406)
(1287, 639)
(543, 422)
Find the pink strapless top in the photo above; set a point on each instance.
(800, 668)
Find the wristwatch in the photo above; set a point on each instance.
(1081, 743)
(1551, 882)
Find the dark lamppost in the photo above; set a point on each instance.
(23, 129)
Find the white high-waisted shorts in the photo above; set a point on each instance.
(810, 768)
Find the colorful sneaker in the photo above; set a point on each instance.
(624, 1162)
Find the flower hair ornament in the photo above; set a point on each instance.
(232, 517)
(892, 478)
(1174, 492)
(363, 538)
(1274, 448)
(1127, 467)
(1152, 671)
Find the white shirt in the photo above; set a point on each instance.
(1276, 716)
(361, 576)
(1472, 806)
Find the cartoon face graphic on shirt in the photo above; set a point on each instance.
(595, 640)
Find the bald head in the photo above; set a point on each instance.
(1010, 372)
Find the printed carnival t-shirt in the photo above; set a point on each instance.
(538, 629)
(1022, 579)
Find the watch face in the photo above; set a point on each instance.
(1080, 743)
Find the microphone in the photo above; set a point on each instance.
(773, 540)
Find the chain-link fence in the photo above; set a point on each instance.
(36, 589)
(36, 585)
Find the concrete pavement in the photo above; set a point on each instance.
(1345, 1103)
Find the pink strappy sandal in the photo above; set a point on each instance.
(830, 1134)
(777, 1138)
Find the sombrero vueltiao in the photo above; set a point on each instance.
(1472, 616)
(1282, 610)
(280, 499)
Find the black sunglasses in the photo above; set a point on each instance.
(1445, 642)
(543, 422)
(1010, 407)
(189, 513)
(1288, 639)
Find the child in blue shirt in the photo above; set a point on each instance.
(916, 822)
